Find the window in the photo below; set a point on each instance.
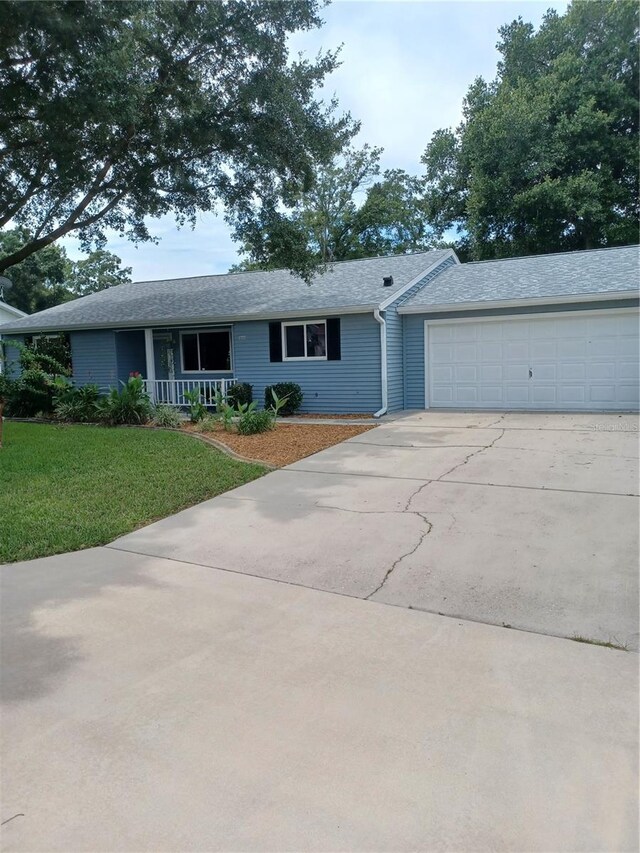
(304, 340)
(206, 351)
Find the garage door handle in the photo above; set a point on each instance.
(530, 373)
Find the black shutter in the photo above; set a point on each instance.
(275, 341)
(333, 339)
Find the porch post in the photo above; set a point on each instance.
(151, 365)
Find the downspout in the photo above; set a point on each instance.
(383, 362)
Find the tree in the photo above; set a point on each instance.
(347, 214)
(39, 281)
(113, 112)
(545, 158)
(98, 271)
(49, 277)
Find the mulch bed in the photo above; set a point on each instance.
(286, 443)
(353, 416)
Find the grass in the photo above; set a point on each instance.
(607, 645)
(63, 488)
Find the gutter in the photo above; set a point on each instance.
(383, 362)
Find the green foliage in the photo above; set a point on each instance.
(291, 392)
(240, 392)
(545, 158)
(252, 422)
(197, 409)
(80, 405)
(277, 405)
(129, 405)
(48, 277)
(115, 113)
(57, 348)
(68, 487)
(333, 222)
(166, 416)
(33, 391)
(30, 395)
(209, 423)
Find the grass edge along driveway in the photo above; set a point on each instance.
(63, 488)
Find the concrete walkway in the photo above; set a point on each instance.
(157, 696)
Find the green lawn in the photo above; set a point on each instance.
(68, 487)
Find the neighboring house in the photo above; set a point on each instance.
(7, 313)
(380, 334)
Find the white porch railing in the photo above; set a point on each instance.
(171, 391)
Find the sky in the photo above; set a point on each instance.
(406, 66)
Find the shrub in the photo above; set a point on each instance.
(76, 404)
(30, 395)
(166, 416)
(197, 409)
(209, 423)
(130, 405)
(239, 393)
(291, 390)
(253, 422)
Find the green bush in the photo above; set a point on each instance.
(253, 422)
(32, 392)
(209, 423)
(130, 405)
(289, 390)
(30, 395)
(239, 393)
(166, 416)
(76, 404)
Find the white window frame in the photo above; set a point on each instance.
(198, 332)
(305, 357)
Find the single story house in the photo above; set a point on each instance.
(546, 332)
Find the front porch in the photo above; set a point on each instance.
(175, 361)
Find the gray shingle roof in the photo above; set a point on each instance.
(346, 285)
(570, 274)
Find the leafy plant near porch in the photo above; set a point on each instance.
(291, 392)
(129, 405)
(166, 416)
(240, 392)
(81, 405)
(197, 409)
(33, 392)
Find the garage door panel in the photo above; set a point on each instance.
(573, 362)
(546, 372)
(466, 373)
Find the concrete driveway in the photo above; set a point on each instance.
(521, 520)
(158, 697)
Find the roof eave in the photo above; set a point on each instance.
(515, 303)
(192, 321)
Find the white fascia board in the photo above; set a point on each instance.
(519, 303)
(15, 311)
(401, 291)
(197, 321)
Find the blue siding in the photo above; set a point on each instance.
(413, 334)
(395, 360)
(93, 356)
(349, 385)
(414, 356)
(130, 354)
(11, 355)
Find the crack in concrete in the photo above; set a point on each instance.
(471, 455)
(391, 568)
(407, 509)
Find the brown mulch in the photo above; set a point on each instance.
(286, 443)
(353, 416)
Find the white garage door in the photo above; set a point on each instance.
(577, 361)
